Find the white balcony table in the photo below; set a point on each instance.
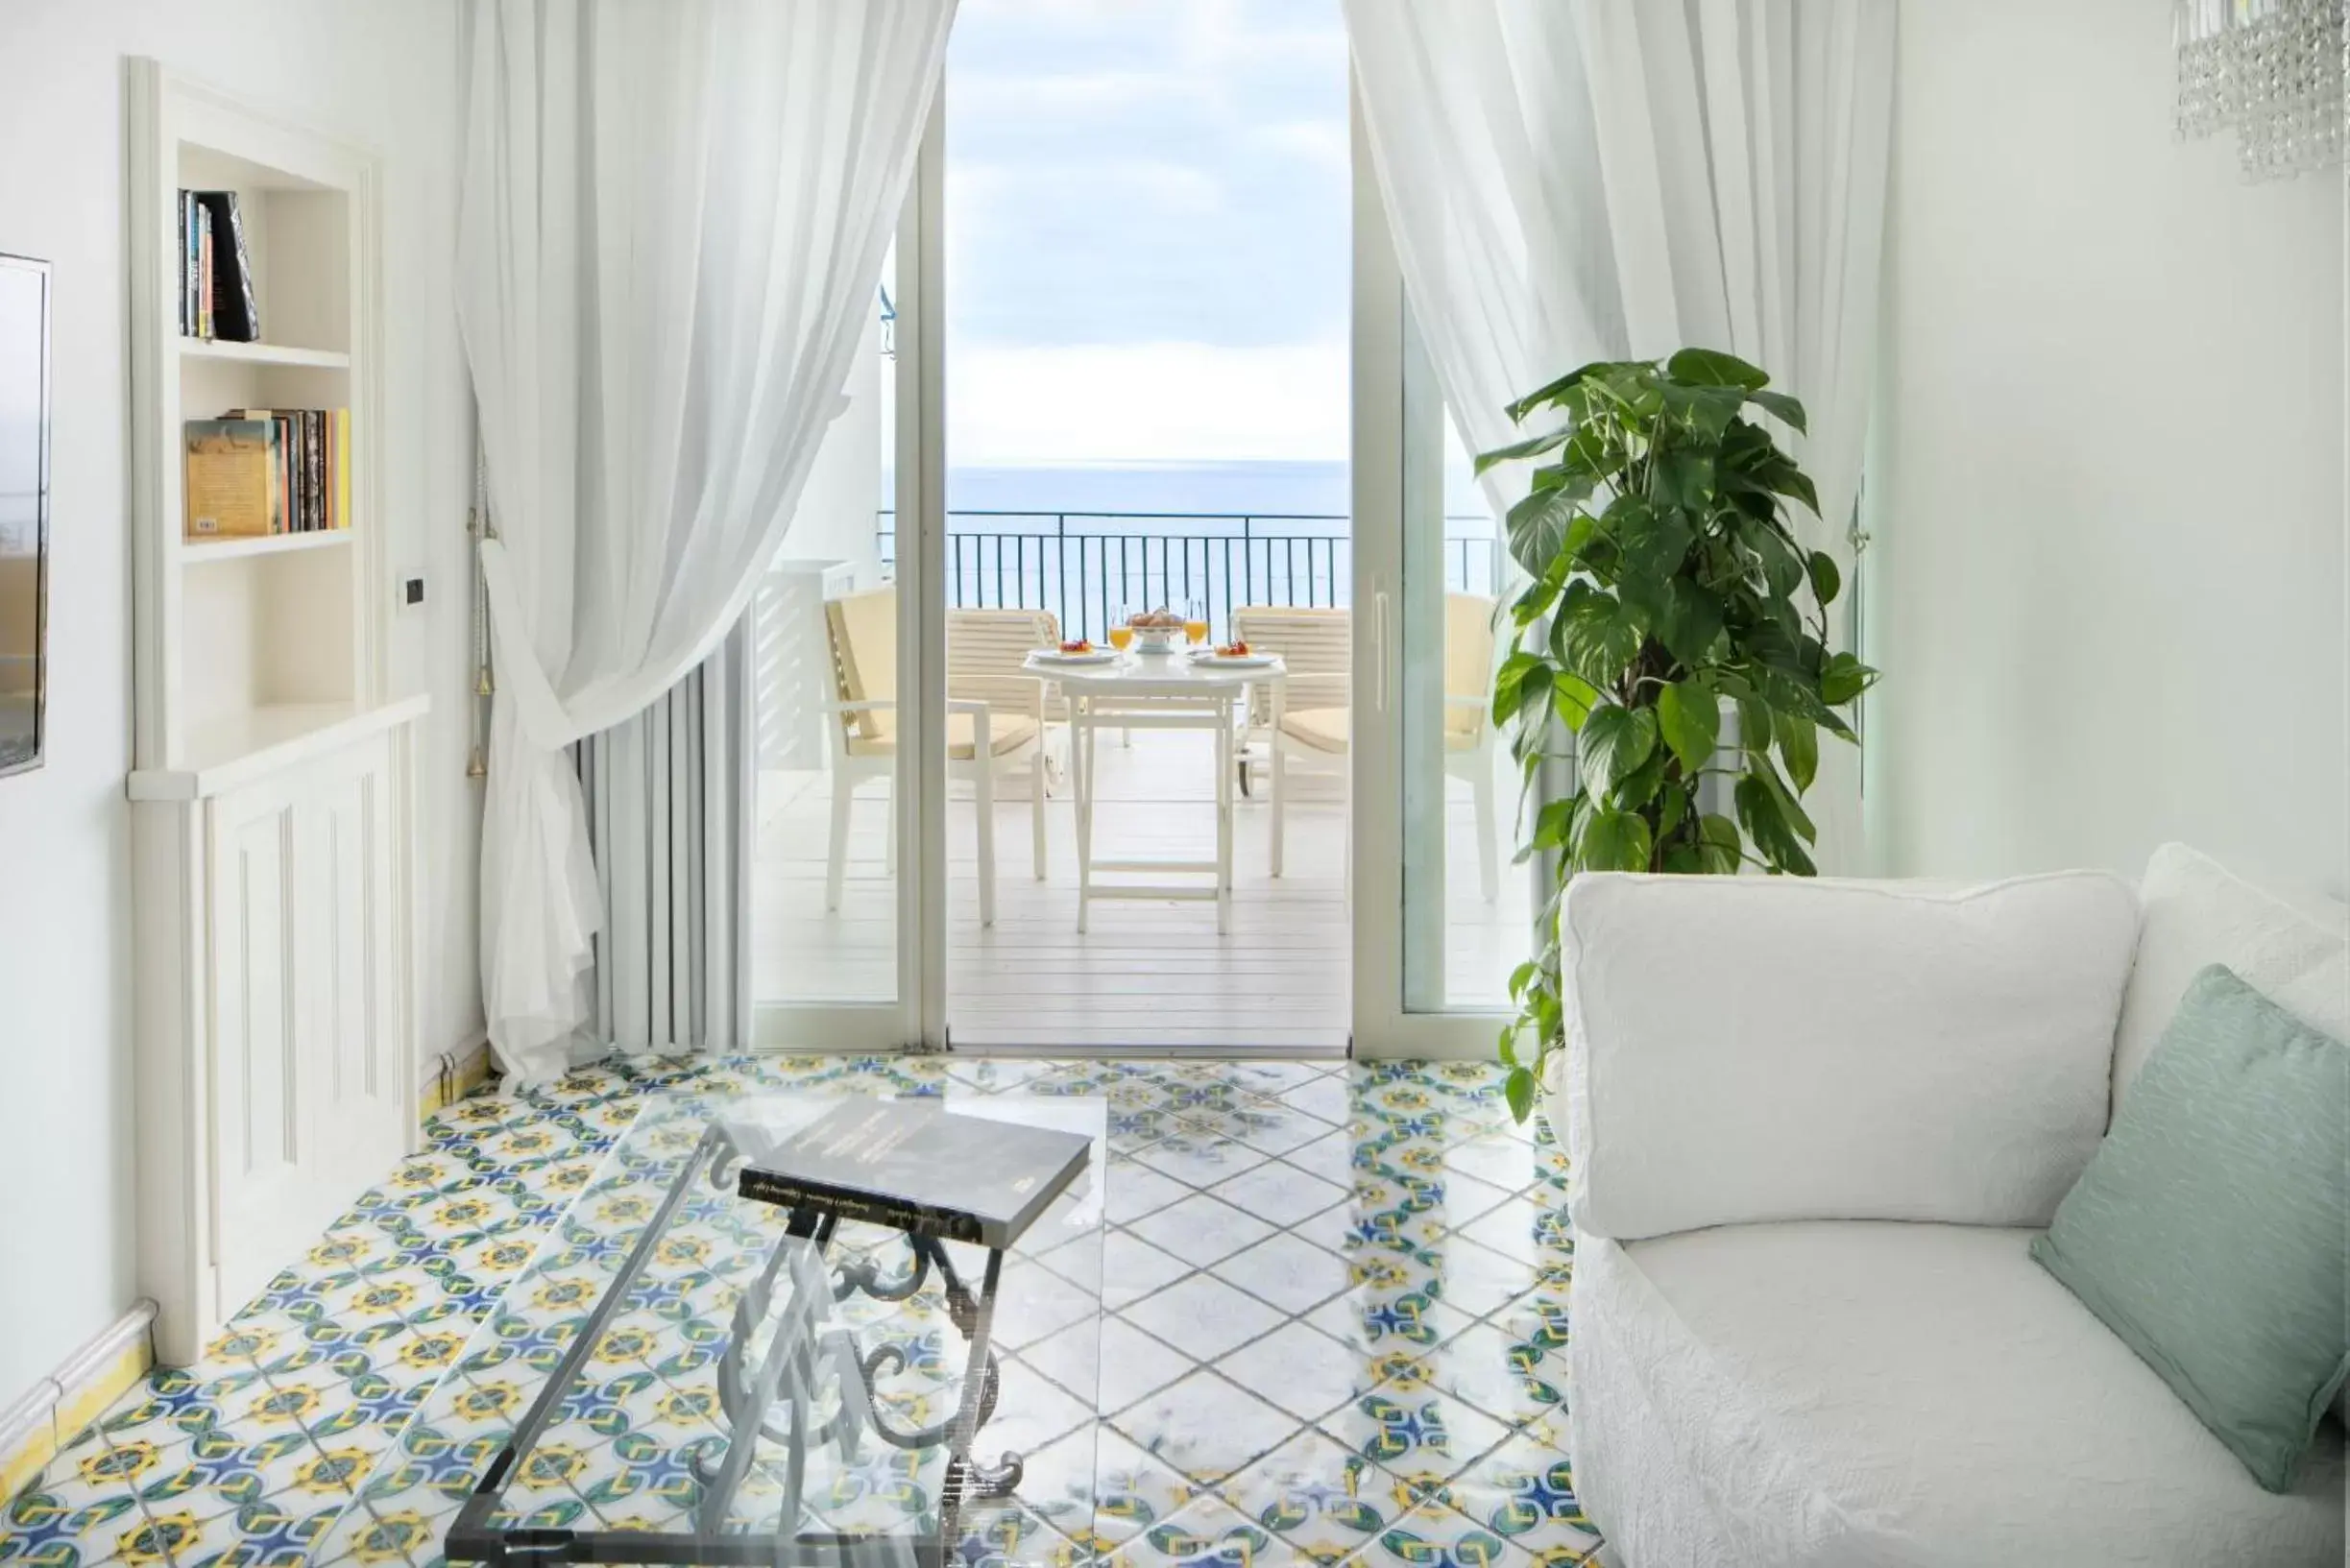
(1159, 691)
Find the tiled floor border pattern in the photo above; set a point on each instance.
(1335, 1332)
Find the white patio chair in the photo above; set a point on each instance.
(1314, 724)
(862, 633)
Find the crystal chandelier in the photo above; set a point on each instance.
(2271, 69)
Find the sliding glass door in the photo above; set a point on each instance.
(1441, 914)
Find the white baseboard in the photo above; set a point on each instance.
(54, 1410)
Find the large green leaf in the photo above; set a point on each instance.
(1753, 724)
(1720, 846)
(1690, 717)
(1531, 446)
(1758, 813)
(1826, 582)
(1789, 411)
(1799, 747)
(1614, 841)
(1712, 368)
(1592, 635)
(1538, 527)
(1691, 623)
(1843, 677)
(1551, 393)
(1522, 680)
(1614, 741)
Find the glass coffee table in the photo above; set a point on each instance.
(685, 1375)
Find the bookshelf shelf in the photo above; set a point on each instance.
(245, 549)
(273, 818)
(263, 354)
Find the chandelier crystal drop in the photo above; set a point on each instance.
(2272, 70)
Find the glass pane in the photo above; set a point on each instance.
(1468, 911)
(824, 651)
(1147, 256)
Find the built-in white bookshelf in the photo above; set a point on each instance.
(273, 817)
(264, 637)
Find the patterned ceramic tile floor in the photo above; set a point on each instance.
(1337, 1332)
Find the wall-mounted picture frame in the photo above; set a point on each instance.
(24, 513)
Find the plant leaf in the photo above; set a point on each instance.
(1712, 368)
(1753, 724)
(1799, 747)
(1614, 841)
(1758, 813)
(1531, 446)
(1592, 635)
(1518, 1089)
(1690, 717)
(1826, 582)
(1538, 524)
(1615, 740)
(1843, 678)
(1523, 678)
(1720, 845)
(1790, 412)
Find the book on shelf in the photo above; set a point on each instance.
(217, 296)
(287, 467)
(912, 1164)
(230, 486)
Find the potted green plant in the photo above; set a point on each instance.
(1666, 590)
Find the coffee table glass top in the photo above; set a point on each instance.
(901, 1393)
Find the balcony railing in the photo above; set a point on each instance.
(1091, 568)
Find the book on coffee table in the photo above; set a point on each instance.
(914, 1166)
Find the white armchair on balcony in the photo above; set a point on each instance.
(983, 740)
(1317, 717)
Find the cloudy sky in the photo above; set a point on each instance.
(1147, 230)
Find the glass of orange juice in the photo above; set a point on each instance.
(1195, 620)
(1121, 631)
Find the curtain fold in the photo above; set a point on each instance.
(673, 216)
(665, 794)
(1580, 180)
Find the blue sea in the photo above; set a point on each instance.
(1262, 489)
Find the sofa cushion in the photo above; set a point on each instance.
(2209, 1231)
(1749, 1049)
(1887, 1395)
(2290, 945)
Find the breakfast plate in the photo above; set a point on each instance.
(1233, 661)
(1079, 660)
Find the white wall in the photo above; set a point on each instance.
(2107, 583)
(379, 71)
(835, 519)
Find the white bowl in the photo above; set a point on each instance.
(1159, 638)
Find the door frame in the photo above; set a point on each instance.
(915, 1019)
(1399, 435)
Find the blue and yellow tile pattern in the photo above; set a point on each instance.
(1336, 1333)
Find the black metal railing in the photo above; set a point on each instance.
(1090, 568)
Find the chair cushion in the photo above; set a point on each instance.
(1882, 1395)
(1327, 729)
(1005, 733)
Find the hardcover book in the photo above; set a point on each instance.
(915, 1166)
(230, 479)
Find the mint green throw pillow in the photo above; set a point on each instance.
(2210, 1229)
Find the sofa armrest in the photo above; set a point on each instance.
(1742, 1050)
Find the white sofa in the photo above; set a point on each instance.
(1814, 1127)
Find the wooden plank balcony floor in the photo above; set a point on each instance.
(1150, 974)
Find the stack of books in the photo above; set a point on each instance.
(216, 291)
(257, 471)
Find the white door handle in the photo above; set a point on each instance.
(1378, 632)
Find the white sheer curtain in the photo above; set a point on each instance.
(672, 218)
(1577, 179)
